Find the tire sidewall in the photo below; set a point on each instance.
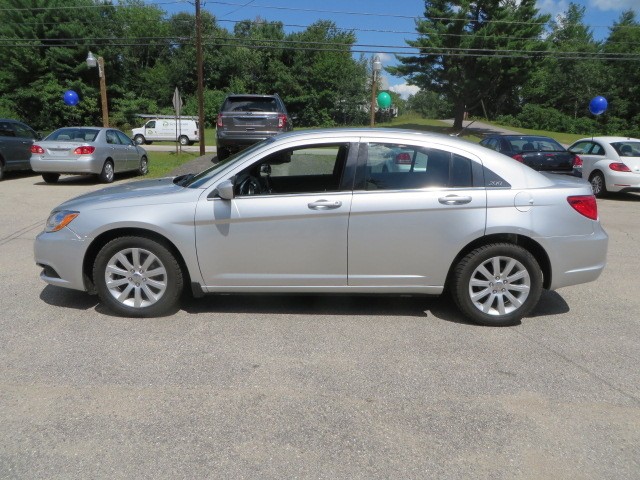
(468, 265)
(603, 185)
(143, 169)
(104, 177)
(169, 299)
(139, 139)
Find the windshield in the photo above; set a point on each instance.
(203, 177)
(77, 134)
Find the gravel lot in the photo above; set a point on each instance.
(314, 387)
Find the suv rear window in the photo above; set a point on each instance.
(248, 104)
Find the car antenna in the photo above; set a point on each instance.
(468, 125)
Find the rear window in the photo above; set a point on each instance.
(250, 104)
(535, 144)
(77, 134)
(627, 149)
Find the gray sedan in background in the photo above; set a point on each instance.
(87, 150)
(321, 212)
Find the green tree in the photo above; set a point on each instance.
(571, 74)
(472, 50)
(623, 48)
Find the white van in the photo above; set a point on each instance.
(164, 129)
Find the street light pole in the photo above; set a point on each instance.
(92, 61)
(376, 67)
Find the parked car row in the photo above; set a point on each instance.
(610, 164)
(73, 150)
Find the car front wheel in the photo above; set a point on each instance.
(137, 277)
(139, 139)
(497, 284)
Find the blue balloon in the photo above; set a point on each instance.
(71, 98)
(598, 105)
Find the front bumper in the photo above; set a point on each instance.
(60, 254)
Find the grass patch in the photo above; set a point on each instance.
(161, 163)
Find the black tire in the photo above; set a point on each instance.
(184, 140)
(222, 153)
(107, 173)
(50, 177)
(598, 184)
(139, 139)
(502, 298)
(1, 169)
(138, 294)
(143, 168)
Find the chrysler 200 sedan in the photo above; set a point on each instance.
(322, 212)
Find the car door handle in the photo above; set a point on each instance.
(454, 200)
(324, 205)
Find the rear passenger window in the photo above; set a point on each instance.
(403, 167)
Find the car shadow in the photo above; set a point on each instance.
(66, 180)
(67, 298)
(13, 175)
(623, 197)
(442, 308)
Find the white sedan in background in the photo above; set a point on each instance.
(611, 164)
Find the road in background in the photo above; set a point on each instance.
(311, 386)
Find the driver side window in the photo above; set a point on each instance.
(307, 169)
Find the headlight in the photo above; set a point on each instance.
(59, 220)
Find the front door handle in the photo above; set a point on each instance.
(324, 205)
(454, 200)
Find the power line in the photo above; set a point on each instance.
(521, 54)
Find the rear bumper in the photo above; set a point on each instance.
(576, 259)
(623, 182)
(81, 164)
(230, 140)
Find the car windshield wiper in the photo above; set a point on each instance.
(182, 180)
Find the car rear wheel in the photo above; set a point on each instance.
(50, 177)
(598, 184)
(1, 169)
(222, 153)
(184, 141)
(497, 284)
(137, 277)
(143, 169)
(106, 176)
(139, 139)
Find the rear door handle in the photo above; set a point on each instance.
(454, 200)
(324, 205)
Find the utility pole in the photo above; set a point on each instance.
(200, 68)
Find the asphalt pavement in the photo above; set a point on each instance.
(326, 387)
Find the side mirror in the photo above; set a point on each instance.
(225, 190)
(265, 169)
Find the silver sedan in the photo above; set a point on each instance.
(87, 150)
(317, 211)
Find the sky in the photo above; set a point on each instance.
(380, 25)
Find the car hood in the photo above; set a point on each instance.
(133, 193)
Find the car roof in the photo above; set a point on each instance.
(512, 136)
(609, 139)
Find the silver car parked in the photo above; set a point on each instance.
(87, 150)
(317, 211)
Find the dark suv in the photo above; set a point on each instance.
(247, 119)
(16, 139)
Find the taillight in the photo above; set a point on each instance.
(36, 149)
(219, 121)
(403, 159)
(282, 120)
(518, 157)
(577, 161)
(619, 167)
(84, 150)
(585, 205)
